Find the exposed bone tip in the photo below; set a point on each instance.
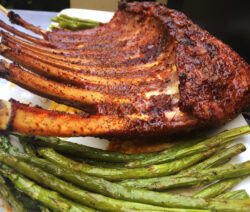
(3, 47)
(4, 10)
(4, 63)
(5, 114)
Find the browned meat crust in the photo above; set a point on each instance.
(150, 66)
(21, 118)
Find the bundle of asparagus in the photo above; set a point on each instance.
(73, 23)
(115, 181)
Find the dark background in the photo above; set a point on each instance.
(47, 5)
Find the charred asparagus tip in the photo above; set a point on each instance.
(4, 10)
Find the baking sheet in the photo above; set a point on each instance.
(9, 90)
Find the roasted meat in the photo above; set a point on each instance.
(149, 71)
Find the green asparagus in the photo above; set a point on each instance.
(240, 194)
(108, 204)
(123, 173)
(43, 209)
(101, 163)
(51, 199)
(191, 178)
(91, 199)
(69, 20)
(84, 151)
(29, 204)
(96, 162)
(174, 153)
(10, 198)
(218, 188)
(218, 158)
(28, 148)
(4, 142)
(96, 184)
(74, 24)
(78, 19)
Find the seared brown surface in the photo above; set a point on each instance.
(150, 67)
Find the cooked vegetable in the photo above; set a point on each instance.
(28, 148)
(72, 23)
(96, 184)
(29, 204)
(10, 198)
(172, 154)
(125, 173)
(49, 198)
(219, 158)
(239, 194)
(83, 151)
(192, 177)
(105, 203)
(76, 19)
(218, 188)
(91, 199)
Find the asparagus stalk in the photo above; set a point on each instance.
(28, 147)
(174, 153)
(218, 188)
(96, 162)
(4, 142)
(96, 184)
(51, 199)
(84, 151)
(73, 24)
(219, 158)
(9, 197)
(91, 199)
(43, 209)
(191, 178)
(68, 19)
(29, 204)
(240, 194)
(170, 200)
(121, 174)
(101, 163)
(78, 19)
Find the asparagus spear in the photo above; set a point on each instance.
(4, 142)
(84, 151)
(75, 26)
(191, 178)
(28, 147)
(96, 184)
(120, 174)
(170, 200)
(218, 188)
(218, 158)
(240, 194)
(91, 199)
(29, 204)
(49, 198)
(101, 163)
(72, 24)
(43, 209)
(78, 19)
(9, 197)
(175, 153)
(68, 20)
(96, 162)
